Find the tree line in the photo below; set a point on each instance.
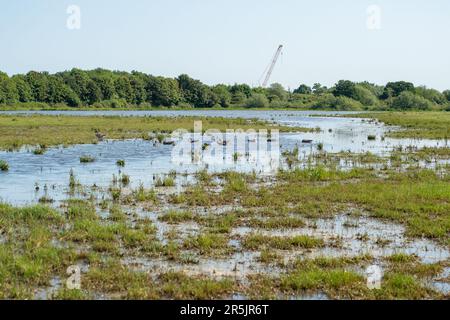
(116, 89)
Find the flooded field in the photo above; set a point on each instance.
(35, 175)
(344, 196)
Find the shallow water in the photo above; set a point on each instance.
(33, 176)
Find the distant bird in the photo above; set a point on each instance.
(100, 136)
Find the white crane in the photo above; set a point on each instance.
(272, 65)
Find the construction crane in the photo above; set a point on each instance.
(272, 65)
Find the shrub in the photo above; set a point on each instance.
(120, 163)
(4, 166)
(408, 100)
(86, 159)
(257, 100)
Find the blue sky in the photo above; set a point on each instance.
(231, 41)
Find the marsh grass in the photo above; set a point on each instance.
(4, 166)
(270, 257)
(16, 131)
(145, 195)
(87, 159)
(430, 125)
(257, 241)
(208, 243)
(219, 223)
(175, 217)
(277, 223)
(38, 242)
(39, 151)
(167, 181)
(120, 163)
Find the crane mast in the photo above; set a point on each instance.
(272, 65)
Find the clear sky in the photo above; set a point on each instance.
(231, 41)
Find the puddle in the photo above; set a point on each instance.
(357, 236)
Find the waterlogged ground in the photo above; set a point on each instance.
(148, 228)
(32, 176)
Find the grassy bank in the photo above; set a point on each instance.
(16, 131)
(431, 125)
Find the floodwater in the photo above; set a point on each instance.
(31, 176)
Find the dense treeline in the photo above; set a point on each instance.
(114, 89)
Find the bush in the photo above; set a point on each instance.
(328, 101)
(365, 96)
(408, 100)
(87, 159)
(431, 95)
(4, 166)
(113, 103)
(257, 100)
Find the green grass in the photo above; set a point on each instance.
(19, 130)
(432, 125)
(87, 159)
(175, 217)
(257, 241)
(277, 223)
(207, 243)
(143, 195)
(4, 166)
(417, 199)
(319, 279)
(269, 257)
(165, 182)
(39, 242)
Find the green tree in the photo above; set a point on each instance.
(238, 98)
(365, 96)
(303, 89)
(237, 89)
(318, 89)
(394, 89)
(344, 88)
(123, 88)
(59, 92)
(446, 94)
(38, 82)
(431, 94)
(94, 94)
(257, 100)
(138, 84)
(194, 92)
(276, 92)
(8, 90)
(223, 94)
(163, 91)
(408, 100)
(23, 88)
